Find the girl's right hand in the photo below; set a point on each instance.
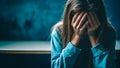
(79, 24)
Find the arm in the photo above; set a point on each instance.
(103, 53)
(65, 58)
(62, 58)
(103, 58)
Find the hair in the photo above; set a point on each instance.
(74, 6)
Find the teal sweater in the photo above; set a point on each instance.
(68, 57)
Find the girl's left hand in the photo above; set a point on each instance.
(94, 28)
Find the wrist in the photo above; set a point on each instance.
(93, 40)
(75, 39)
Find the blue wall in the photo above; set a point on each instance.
(33, 19)
(29, 19)
(113, 13)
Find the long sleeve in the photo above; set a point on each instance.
(62, 58)
(102, 57)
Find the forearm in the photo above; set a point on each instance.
(94, 41)
(66, 58)
(103, 58)
(75, 39)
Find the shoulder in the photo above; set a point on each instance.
(58, 26)
(57, 29)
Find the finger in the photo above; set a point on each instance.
(82, 21)
(96, 18)
(84, 26)
(90, 21)
(96, 23)
(88, 25)
(75, 17)
(93, 18)
(78, 18)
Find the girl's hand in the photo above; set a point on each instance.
(94, 28)
(79, 25)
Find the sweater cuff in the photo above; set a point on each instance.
(71, 50)
(98, 50)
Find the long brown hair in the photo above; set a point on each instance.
(74, 6)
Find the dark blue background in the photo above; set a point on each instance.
(113, 13)
(29, 19)
(33, 19)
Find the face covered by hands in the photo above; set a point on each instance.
(80, 23)
(87, 22)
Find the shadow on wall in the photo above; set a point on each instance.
(33, 19)
(28, 19)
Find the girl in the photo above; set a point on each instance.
(84, 38)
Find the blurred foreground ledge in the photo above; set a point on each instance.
(32, 47)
